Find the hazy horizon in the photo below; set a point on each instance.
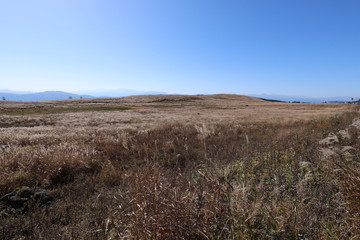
(280, 47)
(129, 92)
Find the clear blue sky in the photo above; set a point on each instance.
(294, 47)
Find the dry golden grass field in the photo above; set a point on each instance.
(156, 110)
(178, 167)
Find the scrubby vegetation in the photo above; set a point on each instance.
(184, 181)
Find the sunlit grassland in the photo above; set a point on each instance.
(179, 180)
(60, 110)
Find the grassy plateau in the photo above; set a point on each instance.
(180, 167)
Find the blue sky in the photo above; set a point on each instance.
(292, 47)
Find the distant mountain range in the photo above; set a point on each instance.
(16, 92)
(48, 95)
(286, 98)
(54, 95)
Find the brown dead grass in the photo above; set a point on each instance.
(163, 171)
(154, 110)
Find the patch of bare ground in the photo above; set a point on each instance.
(178, 167)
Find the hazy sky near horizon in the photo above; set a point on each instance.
(307, 47)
